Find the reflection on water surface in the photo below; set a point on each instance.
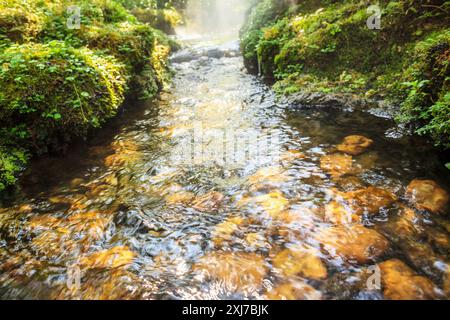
(272, 203)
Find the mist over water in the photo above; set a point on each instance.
(212, 17)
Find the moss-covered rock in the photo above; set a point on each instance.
(326, 46)
(52, 92)
(57, 82)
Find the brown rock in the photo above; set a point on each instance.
(369, 200)
(337, 213)
(427, 195)
(401, 283)
(115, 257)
(302, 262)
(237, 270)
(353, 242)
(355, 145)
(294, 291)
(224, 231)
(336, 164)
(208, 202)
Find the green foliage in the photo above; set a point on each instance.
(56, 83)
(54, 92)
(326, 46)
(12, 161)
(427, 92)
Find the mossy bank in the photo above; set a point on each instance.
(66, 67)
(398, 51)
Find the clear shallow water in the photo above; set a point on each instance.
(217, 191)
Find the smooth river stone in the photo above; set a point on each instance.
(427, 195)
(294, 291)
(336, 164)
(238, 270)
(369, 200)
(113, 258)
(224, 230)
(302, 262)
(353, 242)
(400, 282)
(210, 201)
(338, 213)
(355, 145)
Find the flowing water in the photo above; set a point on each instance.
(216, 190)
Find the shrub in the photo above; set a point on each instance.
(427, 102)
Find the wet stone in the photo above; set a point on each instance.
(116, 257)
(210, 201)
(294, 291)
(369, 200)
(336, 164)
(237, 270)
(400, 282)
(353, 243)
(427, 195)
(354, 145)
(304, 262)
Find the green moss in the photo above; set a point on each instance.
(326, 46)
(162, 19)
(12, 162)
(54, 92)
(426, 89)
(20, 22)
(56, 83)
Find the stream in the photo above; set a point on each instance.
(218, 191)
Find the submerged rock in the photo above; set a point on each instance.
(237, 270)
(208, 202)
(224, 231)
(267, 178)
(353, 242)
(300, 261)
(355, 145)
(274, 203)
(427, 195)
(179, 197)
(401, 283)
(113, 258)
(294, 291)
(337, 213)
(369, 200)
(336, 164)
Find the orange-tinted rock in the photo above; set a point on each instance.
(274, 203)
(338, 213)
(300, 261)
(256, 240)
(336, 164)
(291, 155)
(180, 197)
(401, 283)
(115, 257)
(294, 291)
(369, 200)
(446, 282)
(404, 225)
(237, 270)
(208, 202)
(349, 183)
(427, 195)
(224, 231)
(353, 242)
(355, 145)
(267, 178)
